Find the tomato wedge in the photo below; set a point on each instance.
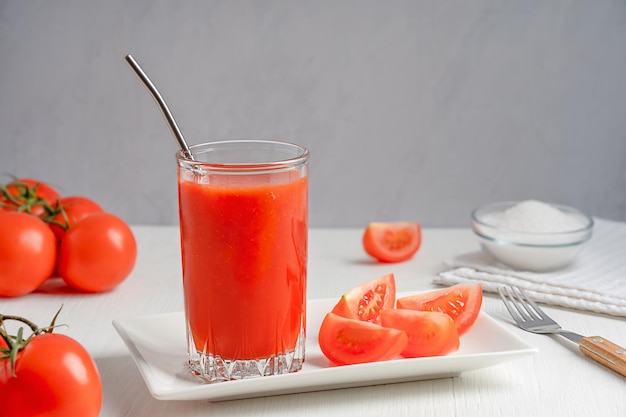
(347, 341)
(392, 242)
(461, 302)
(429, 333)
(365, 301)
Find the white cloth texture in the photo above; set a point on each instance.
(595, 281)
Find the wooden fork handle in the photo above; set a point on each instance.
(605, 352)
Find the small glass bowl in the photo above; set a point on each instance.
(530, 251)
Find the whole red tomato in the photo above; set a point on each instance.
(70, 210)
(97, 253)
(29, 195)
(53, 376)
(27, 253)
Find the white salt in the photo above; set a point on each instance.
(535, 216)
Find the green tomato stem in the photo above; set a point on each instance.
(27, 198)
(17, 343)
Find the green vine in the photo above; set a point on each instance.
(16, 343)
(26, 199)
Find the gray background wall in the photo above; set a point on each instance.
(412, 110)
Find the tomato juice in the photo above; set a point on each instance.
(244, 256)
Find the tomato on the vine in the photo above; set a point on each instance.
(29, 195)
(70, 210)
(47, 374)
(97, 253)
(91, 255)
(27, 253)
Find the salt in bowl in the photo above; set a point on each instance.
(531, 235)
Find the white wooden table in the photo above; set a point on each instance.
(558, 381)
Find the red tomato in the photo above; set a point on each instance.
(392, 242)
(27, 253)
(462, 302)
(55, 377)
(367, 300)
(347, 341)
(97, 253)
(28, 195)
(429, 333)
(71, 210)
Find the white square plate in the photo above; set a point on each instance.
(158, 346)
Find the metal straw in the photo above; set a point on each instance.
(178, 135)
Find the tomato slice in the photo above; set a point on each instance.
(429, 333)
(461, 302)
(392, 242)
(347, 341)
(365, 301)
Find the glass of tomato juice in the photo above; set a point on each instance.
(243, 208)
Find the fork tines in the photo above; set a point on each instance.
(520, 306)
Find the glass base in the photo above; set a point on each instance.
(211, 368)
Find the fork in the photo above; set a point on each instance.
(531, 318)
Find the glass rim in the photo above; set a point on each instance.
(280, 163)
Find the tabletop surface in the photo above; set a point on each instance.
(557, 381)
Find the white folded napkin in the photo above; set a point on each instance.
(595, 281)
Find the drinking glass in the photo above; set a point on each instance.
(243, 208)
